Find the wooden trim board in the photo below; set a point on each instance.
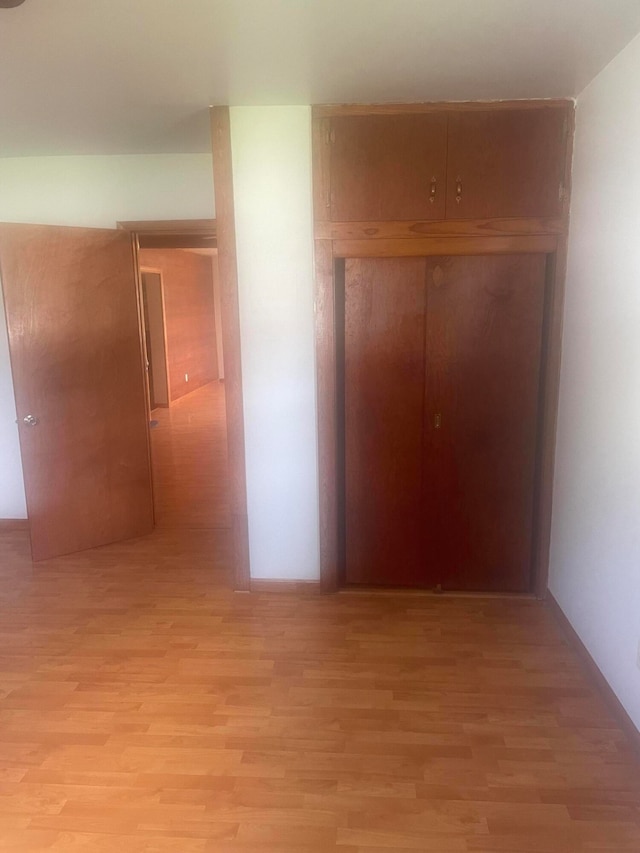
(430, 246)
(328, 110)
(228, 276)
(285, 587)
(409, 229)
(8, 524)
(173, 233)
(177, 241)
(595, 673)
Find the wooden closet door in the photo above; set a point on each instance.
(386, 167)
(384, 399)
(506, 163)
(483, 351)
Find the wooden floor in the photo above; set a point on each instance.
(189, 456)
(146, 707)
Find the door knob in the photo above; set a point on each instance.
(30, 420)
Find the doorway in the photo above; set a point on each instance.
(185, 377)
(219, 234)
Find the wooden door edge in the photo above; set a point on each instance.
(327, 414)
(230, 320)
(144, 269)
(135, 258)
(550, 395)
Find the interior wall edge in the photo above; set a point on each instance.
(595, 541)
(595, 673)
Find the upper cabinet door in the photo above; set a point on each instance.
(388, 167)
(506, 163)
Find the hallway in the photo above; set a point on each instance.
(144, 707)
(189, 459)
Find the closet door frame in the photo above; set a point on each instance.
(335, 242)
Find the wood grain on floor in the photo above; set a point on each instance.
(189, 458)
(146, 707)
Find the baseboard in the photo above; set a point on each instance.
(284, 586)
(416, 592)
(14, 524)
(595, 674)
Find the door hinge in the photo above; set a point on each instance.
(561, 193)
(331, 135)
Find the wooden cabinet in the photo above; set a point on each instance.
(506, 163)
(447, 164)
(441, 238)
(386, 167)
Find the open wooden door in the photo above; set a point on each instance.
(74, 337)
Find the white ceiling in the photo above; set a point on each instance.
(129, 76)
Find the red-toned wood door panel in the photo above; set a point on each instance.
(483, 352)
(384, 391)
(506, 163)
(388, 167)
(72, 316)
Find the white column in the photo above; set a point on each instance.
(271, 151)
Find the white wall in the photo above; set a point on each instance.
(89, 191)
(595, 554)
(271, 150)
(97, 191)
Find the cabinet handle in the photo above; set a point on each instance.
(434, 190)
(458, 189)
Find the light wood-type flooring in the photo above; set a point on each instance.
(147, 708)
(189, 459)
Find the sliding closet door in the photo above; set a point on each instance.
(384, 399)
(483, 349)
